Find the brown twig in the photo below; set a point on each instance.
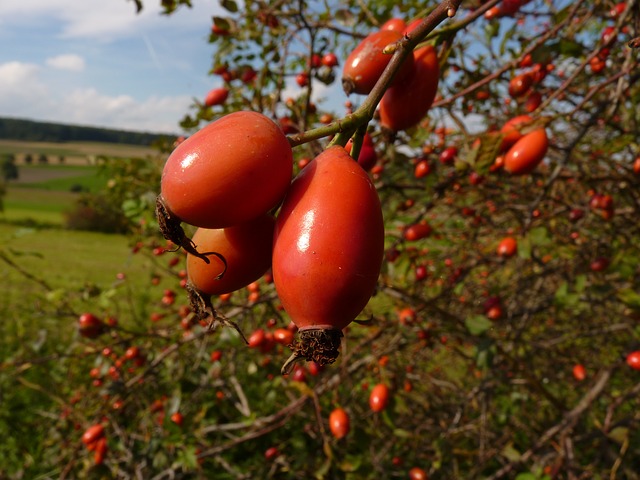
(567, 422)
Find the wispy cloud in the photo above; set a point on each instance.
(105, 20)
(79, 61)
(24, 93)
(67, 61)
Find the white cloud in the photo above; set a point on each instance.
(19, 82)
(38, 85)
(68, 61)
(16, 73)
(88, 106)
(24, 94)
(105, 20)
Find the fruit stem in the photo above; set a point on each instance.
(320, 344)
(171, 229)
(287, 368)
(203, 309)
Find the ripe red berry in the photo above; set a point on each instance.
(579, 372)
(379, 397)
(633, 360)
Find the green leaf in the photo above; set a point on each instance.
(351, 463)
(400, 433)
(511, 453)
(630, 298)
(188, 457)
(569, 48)
(539, 236)
(478, 324)
(564, 297)
(619, 434)
(619, 143)
(345, 17)
(485, 353)
(526, 476)
(229, 5)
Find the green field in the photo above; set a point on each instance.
(67, 258)
(31, 224)
(42, 193)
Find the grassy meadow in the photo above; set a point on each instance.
(32, 233)
(44, 191)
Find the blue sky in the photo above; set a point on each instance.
(95, 62)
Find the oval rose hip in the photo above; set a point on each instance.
(246, 249)
(216, 96)
(409, 99)
(339, 423)
(366, 63)
(527, 153)
(231, 171)
(327, 252)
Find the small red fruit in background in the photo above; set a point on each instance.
(579, 372)
(417, 231)
(132, 353)
(422, 169)
(599, 264)
(329, 60)
(533, 101)
(100, 451)
(339, 423)
(379, 397)
(597, 64)
(177, 418)
(366, 63)
(395, 24)
(511, 131)
(507, 247)
(421, 273)
(608, 35)
(618, 9)
(417, 473)
(271, 453)
(407, 316)
(248, 75)
(90, 326)
(576, 214)
(520, 85)
(257, 338)
(93, 434)
(219, 30)
(367, 157)
(525, 155)
(283, 336)
(409, 99)
(299, 374)
(216, 96)
(302, 79)
(448, 155)
(633, 360)
(493, 308)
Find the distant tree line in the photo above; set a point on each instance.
(8, 168)
(29, 130)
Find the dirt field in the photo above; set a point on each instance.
(39, 174)
(75, 153)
